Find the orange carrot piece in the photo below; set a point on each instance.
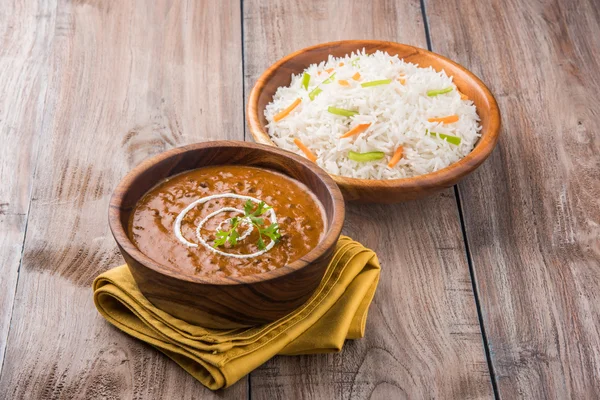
(462, 95)
(329, 70)
(288, 110)
(445, 120)
(402, 81)
(343, 82)
(396, 157)
(309, 154)
(356, 76)
(360, 128)
(341, 64)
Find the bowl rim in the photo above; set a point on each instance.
(327, 242)
(444, 176)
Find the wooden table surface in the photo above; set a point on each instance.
(489, 289)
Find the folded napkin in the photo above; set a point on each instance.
(219, 358)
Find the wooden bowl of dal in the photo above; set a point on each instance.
(389, 190)
(226, 302)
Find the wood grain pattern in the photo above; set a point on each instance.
(12, 230)
(227, 302)
(25, 34)
(389, 190)
(94, 87)
(534, 235)
(125, 80)
(423, 338)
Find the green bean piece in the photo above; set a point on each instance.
(449, 138)
(376, 83)
(330, 79)
(305, 80)
(342, 112)
(432, 93)
(315, 92)
(364, 157)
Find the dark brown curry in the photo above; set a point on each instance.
(296, 221)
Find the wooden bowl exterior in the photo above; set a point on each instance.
(226, 302)
(392, 190)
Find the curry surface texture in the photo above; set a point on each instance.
(299, 214)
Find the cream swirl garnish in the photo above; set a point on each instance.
(244, 221)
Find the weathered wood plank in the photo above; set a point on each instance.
(127, 79)
(26, 30)
(532, 213)
(423, 338)
(12, 229)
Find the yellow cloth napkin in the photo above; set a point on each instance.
(219, 358)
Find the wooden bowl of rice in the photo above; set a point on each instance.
(384, 190)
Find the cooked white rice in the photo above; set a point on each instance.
(398, 114)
